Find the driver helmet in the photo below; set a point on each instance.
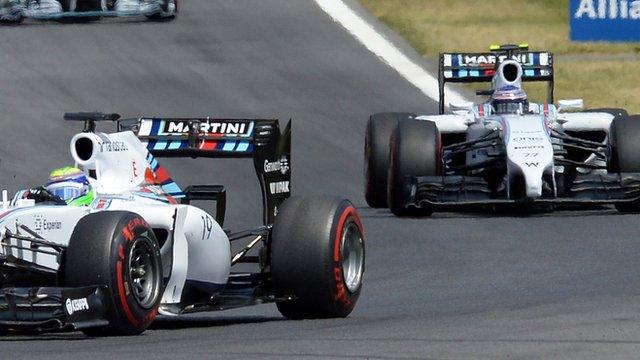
(71, 185)
(509, 100)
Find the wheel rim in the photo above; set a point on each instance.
(352, 251)
(144, 272)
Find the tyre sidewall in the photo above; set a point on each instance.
(303, 257)
(625, 148)
(343, 299)
(98, 255)
(132, 317)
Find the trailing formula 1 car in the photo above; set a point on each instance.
(14, 11)
(138, 247)
(505, 152)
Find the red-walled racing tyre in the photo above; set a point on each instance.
(317, 257)
(119, 250)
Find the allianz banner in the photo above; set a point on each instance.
(605, 20)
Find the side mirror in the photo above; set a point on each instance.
(570, 104)
(461, 107)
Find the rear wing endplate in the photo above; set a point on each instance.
(480, 67)
(259, 139)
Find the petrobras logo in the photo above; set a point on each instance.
(281, 165)
(608, 9)
(280, 187)
(75, 305)
(209, 127)
(528, 139)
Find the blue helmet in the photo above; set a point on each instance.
(509, 100)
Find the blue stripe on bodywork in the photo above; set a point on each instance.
(243, 146)
(229, 145)
(155, 127)
(160, 145)
(171, 187)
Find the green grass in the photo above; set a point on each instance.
(604, 74)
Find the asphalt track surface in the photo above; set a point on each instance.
(561, 285)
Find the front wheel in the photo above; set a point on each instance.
(117, 249)
(625, 151)
(317, 257)
(414, 151)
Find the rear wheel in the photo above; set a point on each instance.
(625, 151)
(317, 257)
(119, 250)
(376, 155)
(414, 150)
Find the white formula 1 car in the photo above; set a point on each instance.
(141, 249)
(15, 11)
(490, 155)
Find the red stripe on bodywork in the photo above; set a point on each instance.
(162, 175)
(208, 145)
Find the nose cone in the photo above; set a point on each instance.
(529, 151)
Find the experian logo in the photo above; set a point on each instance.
(608, 9)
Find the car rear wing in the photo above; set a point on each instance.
(258, 139)
(480, 67)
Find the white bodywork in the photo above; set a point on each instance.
(529, 147)
(196, 248)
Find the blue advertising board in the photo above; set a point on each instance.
(604, 20)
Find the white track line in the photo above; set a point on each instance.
(385, 50)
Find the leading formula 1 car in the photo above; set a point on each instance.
(140, 248)
(503, 153)
(15, 11)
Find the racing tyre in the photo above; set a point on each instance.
(376, 156)
(414, 150)
(625, 151)
(168, 6)
(119, 250)
(317, 257)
